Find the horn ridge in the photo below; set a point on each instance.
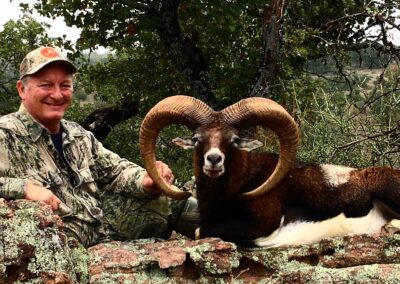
(180, 109)
(265, 112)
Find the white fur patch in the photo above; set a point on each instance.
(336, 175)
(212, 151)
(298, 233)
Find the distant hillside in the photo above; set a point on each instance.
(367, 59)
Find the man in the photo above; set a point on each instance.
(46, 158)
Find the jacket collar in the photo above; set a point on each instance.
(35, 129)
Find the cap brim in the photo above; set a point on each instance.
(72, 68)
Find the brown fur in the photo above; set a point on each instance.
(302, 195)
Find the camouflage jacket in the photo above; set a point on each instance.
(28, 153)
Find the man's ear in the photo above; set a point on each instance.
(21, 89)
(249, 144)
(184, 142)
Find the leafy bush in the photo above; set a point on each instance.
(355, 129)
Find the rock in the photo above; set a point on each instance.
(174, 260)
(356, 259)
(35, 250)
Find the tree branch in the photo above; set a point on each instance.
(271, 38)
(101, 121)
(369, 137)
(331, 23)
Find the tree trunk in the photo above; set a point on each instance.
(183, 50)
(271, 39)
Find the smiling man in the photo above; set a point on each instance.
(46, 93)
(46, 158)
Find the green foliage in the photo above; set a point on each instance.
(79, 111)
(227, 32)
(124, 138)
(17, 38)
(339, 128)
(122, 77)
(179, 160)
(231, 41)
(139, 65)
(335, 106)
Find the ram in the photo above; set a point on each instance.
(268, 199)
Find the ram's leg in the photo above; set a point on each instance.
(392, 227)
(395, 223)
(301, 232)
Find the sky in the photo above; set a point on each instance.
(11, 11)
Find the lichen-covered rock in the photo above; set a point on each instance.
(163, 261)
(351, 259)
(33, 247)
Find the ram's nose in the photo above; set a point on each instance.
(214, 159)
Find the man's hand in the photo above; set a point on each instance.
(33, 191)
(166, 174)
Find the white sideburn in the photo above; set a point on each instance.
(336, 175)
(302, 232)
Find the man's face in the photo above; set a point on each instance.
(47, 94)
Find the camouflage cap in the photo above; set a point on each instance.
(40, 57)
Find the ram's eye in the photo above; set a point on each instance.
(236, 140)
(196, 140)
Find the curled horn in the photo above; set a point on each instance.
(267, 113)
(183, 110)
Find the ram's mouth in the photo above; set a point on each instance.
(213, 173)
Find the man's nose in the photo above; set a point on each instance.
(56, 93)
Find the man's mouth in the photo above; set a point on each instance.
(54, 104)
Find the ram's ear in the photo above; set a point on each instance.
(184, 142)
(249, 144)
